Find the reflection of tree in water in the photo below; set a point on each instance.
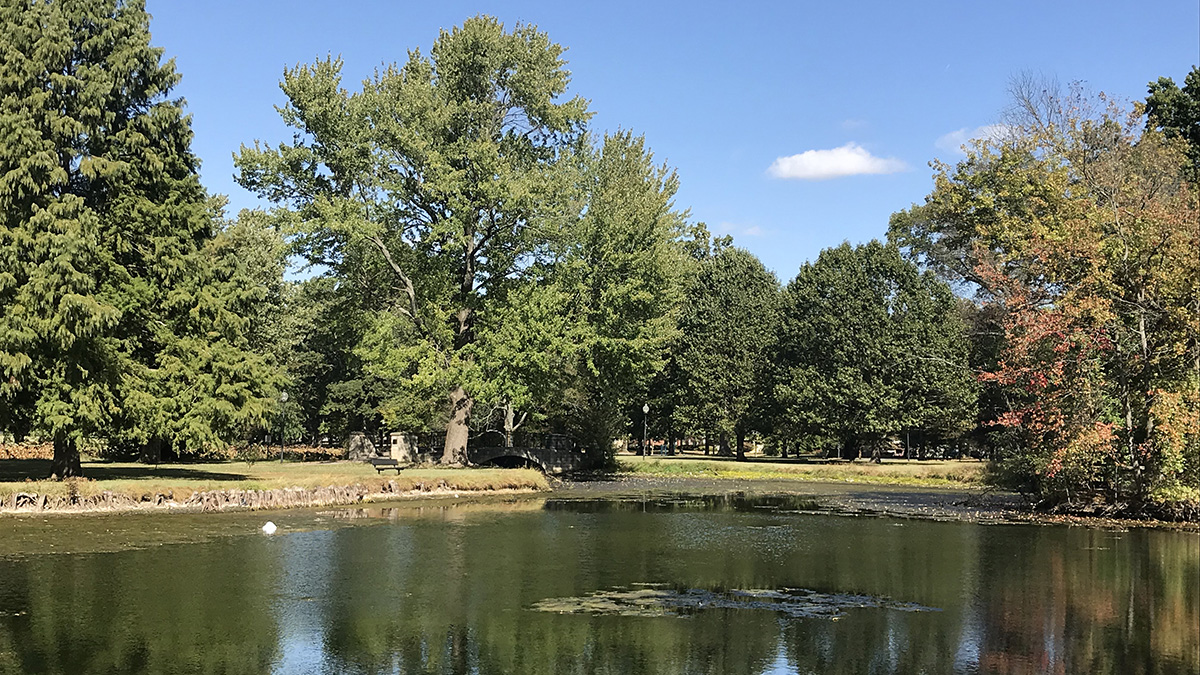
(448, 589)
(458, 598)
(468, 585)
(485, 574)
(170, 609)
(1106, 602)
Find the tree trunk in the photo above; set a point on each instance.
(509, 422)
(723, 449)
(457, 431)
(783, 449)
(707, 444)
(152, 451)
(741, 444)
(66, 458)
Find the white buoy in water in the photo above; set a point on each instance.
(269, 528)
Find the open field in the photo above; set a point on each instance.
(927, 473)
(182, 480)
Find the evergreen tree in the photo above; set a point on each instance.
(120, 305)
(1175, 111)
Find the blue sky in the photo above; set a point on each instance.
(722, 91)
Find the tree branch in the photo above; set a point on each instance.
(407, 284)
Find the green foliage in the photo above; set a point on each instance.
(871, 348)
(1176, 112)
(729, 320)
(624, 266)
(120, 302)
(441, 183)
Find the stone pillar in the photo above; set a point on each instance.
(401, 446)
(360, 447)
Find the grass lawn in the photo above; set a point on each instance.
(135, 480)
(927, 473)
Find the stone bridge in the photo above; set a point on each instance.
(552, 453)
(549, 460)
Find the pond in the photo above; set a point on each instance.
(654, 584)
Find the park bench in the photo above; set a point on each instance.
(383, 463)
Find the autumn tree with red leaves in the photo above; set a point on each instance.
(1083, 228)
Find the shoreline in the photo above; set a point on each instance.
(968, 504)
(218, 501)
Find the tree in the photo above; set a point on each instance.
(339, 391)
(729, 320)
(1097, 282)
(1175, 112)
(624, 267)
(871, 348)
(672, 415)
(442, 174)
(119, 306)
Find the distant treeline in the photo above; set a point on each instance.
(484, 261)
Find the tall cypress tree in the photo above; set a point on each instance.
(116, 295)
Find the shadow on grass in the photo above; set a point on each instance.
(809, 460)
(756, 459)
(18, 470)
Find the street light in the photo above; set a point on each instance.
(645, 427)
(283, 397)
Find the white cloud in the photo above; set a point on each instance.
(849, 160)
(953, 141)
(739, 230)
(853, 124)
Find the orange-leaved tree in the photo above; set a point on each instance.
(1084, 229)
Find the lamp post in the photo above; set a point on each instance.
(283, 397)
(645, 430)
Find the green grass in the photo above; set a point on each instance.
(929, 473)
(181, 480)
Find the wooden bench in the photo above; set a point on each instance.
(383, 463)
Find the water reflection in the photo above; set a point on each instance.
(449, 588)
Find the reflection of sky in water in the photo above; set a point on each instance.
(301, 600)
(966, 657)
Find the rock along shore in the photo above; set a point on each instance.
(225, 500)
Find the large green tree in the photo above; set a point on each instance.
(871, 348)
(120, 302)
(624, 267)
(728, 323)
(440, 177)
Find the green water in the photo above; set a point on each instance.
(454, 588)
